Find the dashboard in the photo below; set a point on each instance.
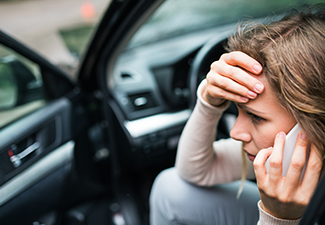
(151, 89)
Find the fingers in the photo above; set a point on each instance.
(313, 171)
(259, 162)
(275, 169)
(229, 85)
(242, 60)
(274, 176)
(231, 78)
(298, 161)
(239, 67)
(222, 87)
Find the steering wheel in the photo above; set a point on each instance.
(210, 52)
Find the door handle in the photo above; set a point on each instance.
(16, 159)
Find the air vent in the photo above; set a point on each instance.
(126, 76)
(142, 101)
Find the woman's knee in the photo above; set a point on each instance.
(173, 200)
(164, 185)
(162, 197)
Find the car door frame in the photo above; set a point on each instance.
(120, 22)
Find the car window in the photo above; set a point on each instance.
(59, 30)
(177, 17)
(21, 86)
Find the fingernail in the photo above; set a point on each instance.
(257, 68)
(303, 135)
(258, 87)
(281, 134)
(244, 99)
(251, 94)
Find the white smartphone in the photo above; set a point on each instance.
(289, 147)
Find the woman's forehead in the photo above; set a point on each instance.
(266, 102)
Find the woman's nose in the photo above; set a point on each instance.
(240, 131)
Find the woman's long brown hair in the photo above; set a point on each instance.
(292, 53)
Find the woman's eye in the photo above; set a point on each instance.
(254, 118)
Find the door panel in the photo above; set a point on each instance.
(48, 164)
(35, 152)
(38, 199)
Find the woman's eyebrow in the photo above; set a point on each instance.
(249, 109)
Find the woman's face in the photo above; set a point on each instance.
(260, 120)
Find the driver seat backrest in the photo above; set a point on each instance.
(315, 211)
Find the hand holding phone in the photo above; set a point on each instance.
(289, 147)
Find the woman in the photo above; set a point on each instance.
(275, 75)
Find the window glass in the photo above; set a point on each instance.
(60, 30)
(21, 86)
(177, 17)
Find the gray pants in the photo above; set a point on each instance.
(175, 201)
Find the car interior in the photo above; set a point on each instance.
(87, 151)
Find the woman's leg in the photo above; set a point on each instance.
(175, 201)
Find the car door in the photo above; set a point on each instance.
(47, 126)
(36, 136)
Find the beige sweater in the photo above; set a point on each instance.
(206, 162)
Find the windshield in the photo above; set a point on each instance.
(59, 30)
(176, 17)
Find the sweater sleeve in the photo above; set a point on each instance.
(268, 219)
(202, 160)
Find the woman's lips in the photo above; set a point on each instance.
(250, 156)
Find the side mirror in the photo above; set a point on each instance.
(18, 85)
(8, 86)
